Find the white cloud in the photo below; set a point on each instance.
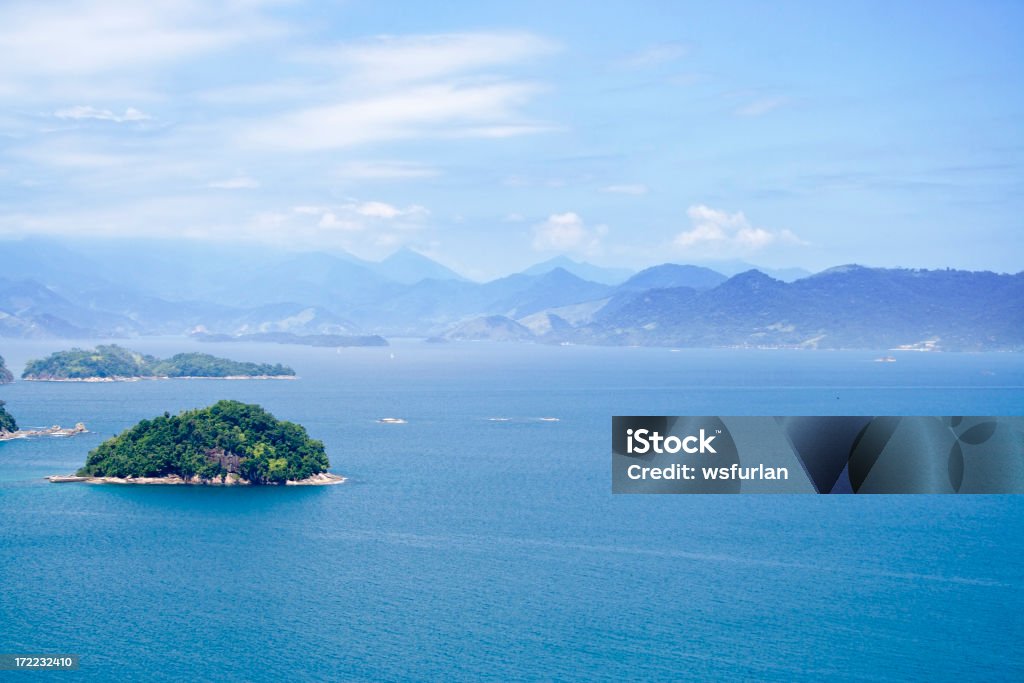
(566, 232)
(329, 220)
(239, 183)
(385, 170)
(367, 228)
(389, 60)
(75, 153)
(438, 110)
(387, 211)
(411, 87)
(80, 112)
(225, 217)
(656, 55)
(720, 232)
(76, 38)
(761, 106)
(631, 189)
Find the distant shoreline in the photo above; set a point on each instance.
(150, 377)
(322, 479)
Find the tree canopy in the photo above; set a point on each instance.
(111, 361)
(208, 443)
(7, 423)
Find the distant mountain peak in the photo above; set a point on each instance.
(751, 280)
(409, 266)
(581, 269)
(561, 274)
(846, 268)
(670, 275)
(754, 275)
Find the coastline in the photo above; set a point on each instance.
(321, 479)
(150, 377)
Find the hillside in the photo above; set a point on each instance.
(490, 328)
(672, 275)
(336, 299)
(847, 307)
(7, 421)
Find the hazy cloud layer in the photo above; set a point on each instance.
(221, 119)
(81, 112)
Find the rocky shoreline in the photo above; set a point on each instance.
(55, 430)
(322, 479)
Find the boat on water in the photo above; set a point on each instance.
(391, 421)
(885, 359)
(549, 419)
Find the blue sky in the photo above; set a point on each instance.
(495, 135)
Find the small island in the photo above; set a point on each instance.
(8, 425)
(228, 443)
(111, 363)
(5, 375)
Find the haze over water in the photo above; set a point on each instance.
(464, 547)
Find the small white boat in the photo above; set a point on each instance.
(549, 419)
(391, 421)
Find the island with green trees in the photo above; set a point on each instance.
(228, 443)
(7, 423)
(5, 375)
(110, 362)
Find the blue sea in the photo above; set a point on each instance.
(466, 548)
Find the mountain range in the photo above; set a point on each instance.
(126, 288)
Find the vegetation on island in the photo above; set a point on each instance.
(5, 374)
(7, 423)
(228, 437)
(114, 362)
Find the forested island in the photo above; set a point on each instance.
(5, 375)
(112, 362)
(8, 425)
(228, 443)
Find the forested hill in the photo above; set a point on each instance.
(114, 362)
(7, 423)
(5, 374)
(227, 438)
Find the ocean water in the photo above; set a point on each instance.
(464, 548)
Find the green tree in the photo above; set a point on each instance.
(7, 422)
(188, 444)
